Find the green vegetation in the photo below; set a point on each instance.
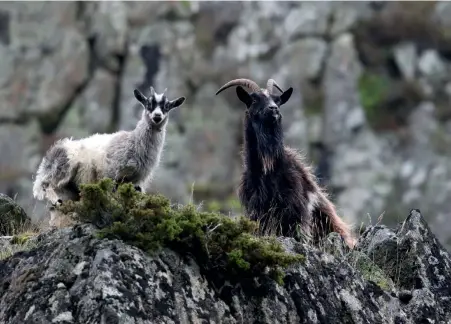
(373, 90)
(20, 242)
(219, 243)
(22, 238)
(360, 261)
(231, 204)
(370, 271)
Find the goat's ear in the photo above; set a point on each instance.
(139, 96)
(285, 96)
(244, 96)
(175, 103)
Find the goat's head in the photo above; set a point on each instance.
(157, 106)
(261, 104)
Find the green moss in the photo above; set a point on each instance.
(219, 243)
(373, 90)
(370, 271)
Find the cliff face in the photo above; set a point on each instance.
(370, 107)
(70, 276)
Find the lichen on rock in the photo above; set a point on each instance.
(144, 260)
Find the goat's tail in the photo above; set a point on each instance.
(329, 221)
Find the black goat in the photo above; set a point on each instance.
(277, 188)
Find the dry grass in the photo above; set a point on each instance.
(20, 241)
(20, 238)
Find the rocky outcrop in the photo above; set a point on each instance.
(13, 218)
(71, 276)
(370, 79)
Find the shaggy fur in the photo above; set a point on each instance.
(124, 156)
(277, 188)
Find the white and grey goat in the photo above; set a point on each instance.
(124, 156)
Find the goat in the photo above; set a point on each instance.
(124, 156)
(277, 188)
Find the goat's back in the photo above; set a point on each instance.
(88, 155)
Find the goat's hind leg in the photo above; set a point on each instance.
(326, 221)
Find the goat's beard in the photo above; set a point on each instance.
(270, 144)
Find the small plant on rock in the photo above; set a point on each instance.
(220, 244)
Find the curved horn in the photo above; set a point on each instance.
(272, 83)
(243, 82)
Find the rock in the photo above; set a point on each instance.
(431, 65)
(259, 32)
(303, 58)
(50, 60)
(441, 13)
(424, 268)
(209, 139)
(67, 64)
(345, 16)
(356, 119)
(340, 88)
(406, 59)
(72, 275)
(13, 218)
(93, 110)
(311, 18)
(423, 124)
(107, 25)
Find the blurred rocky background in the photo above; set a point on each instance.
(371, 107)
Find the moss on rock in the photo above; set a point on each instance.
(388, 102)
(369, 270)
(219, 243)
(373, 90)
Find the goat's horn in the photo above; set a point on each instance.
(152, 91)
(272, 83)
(243, 82)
